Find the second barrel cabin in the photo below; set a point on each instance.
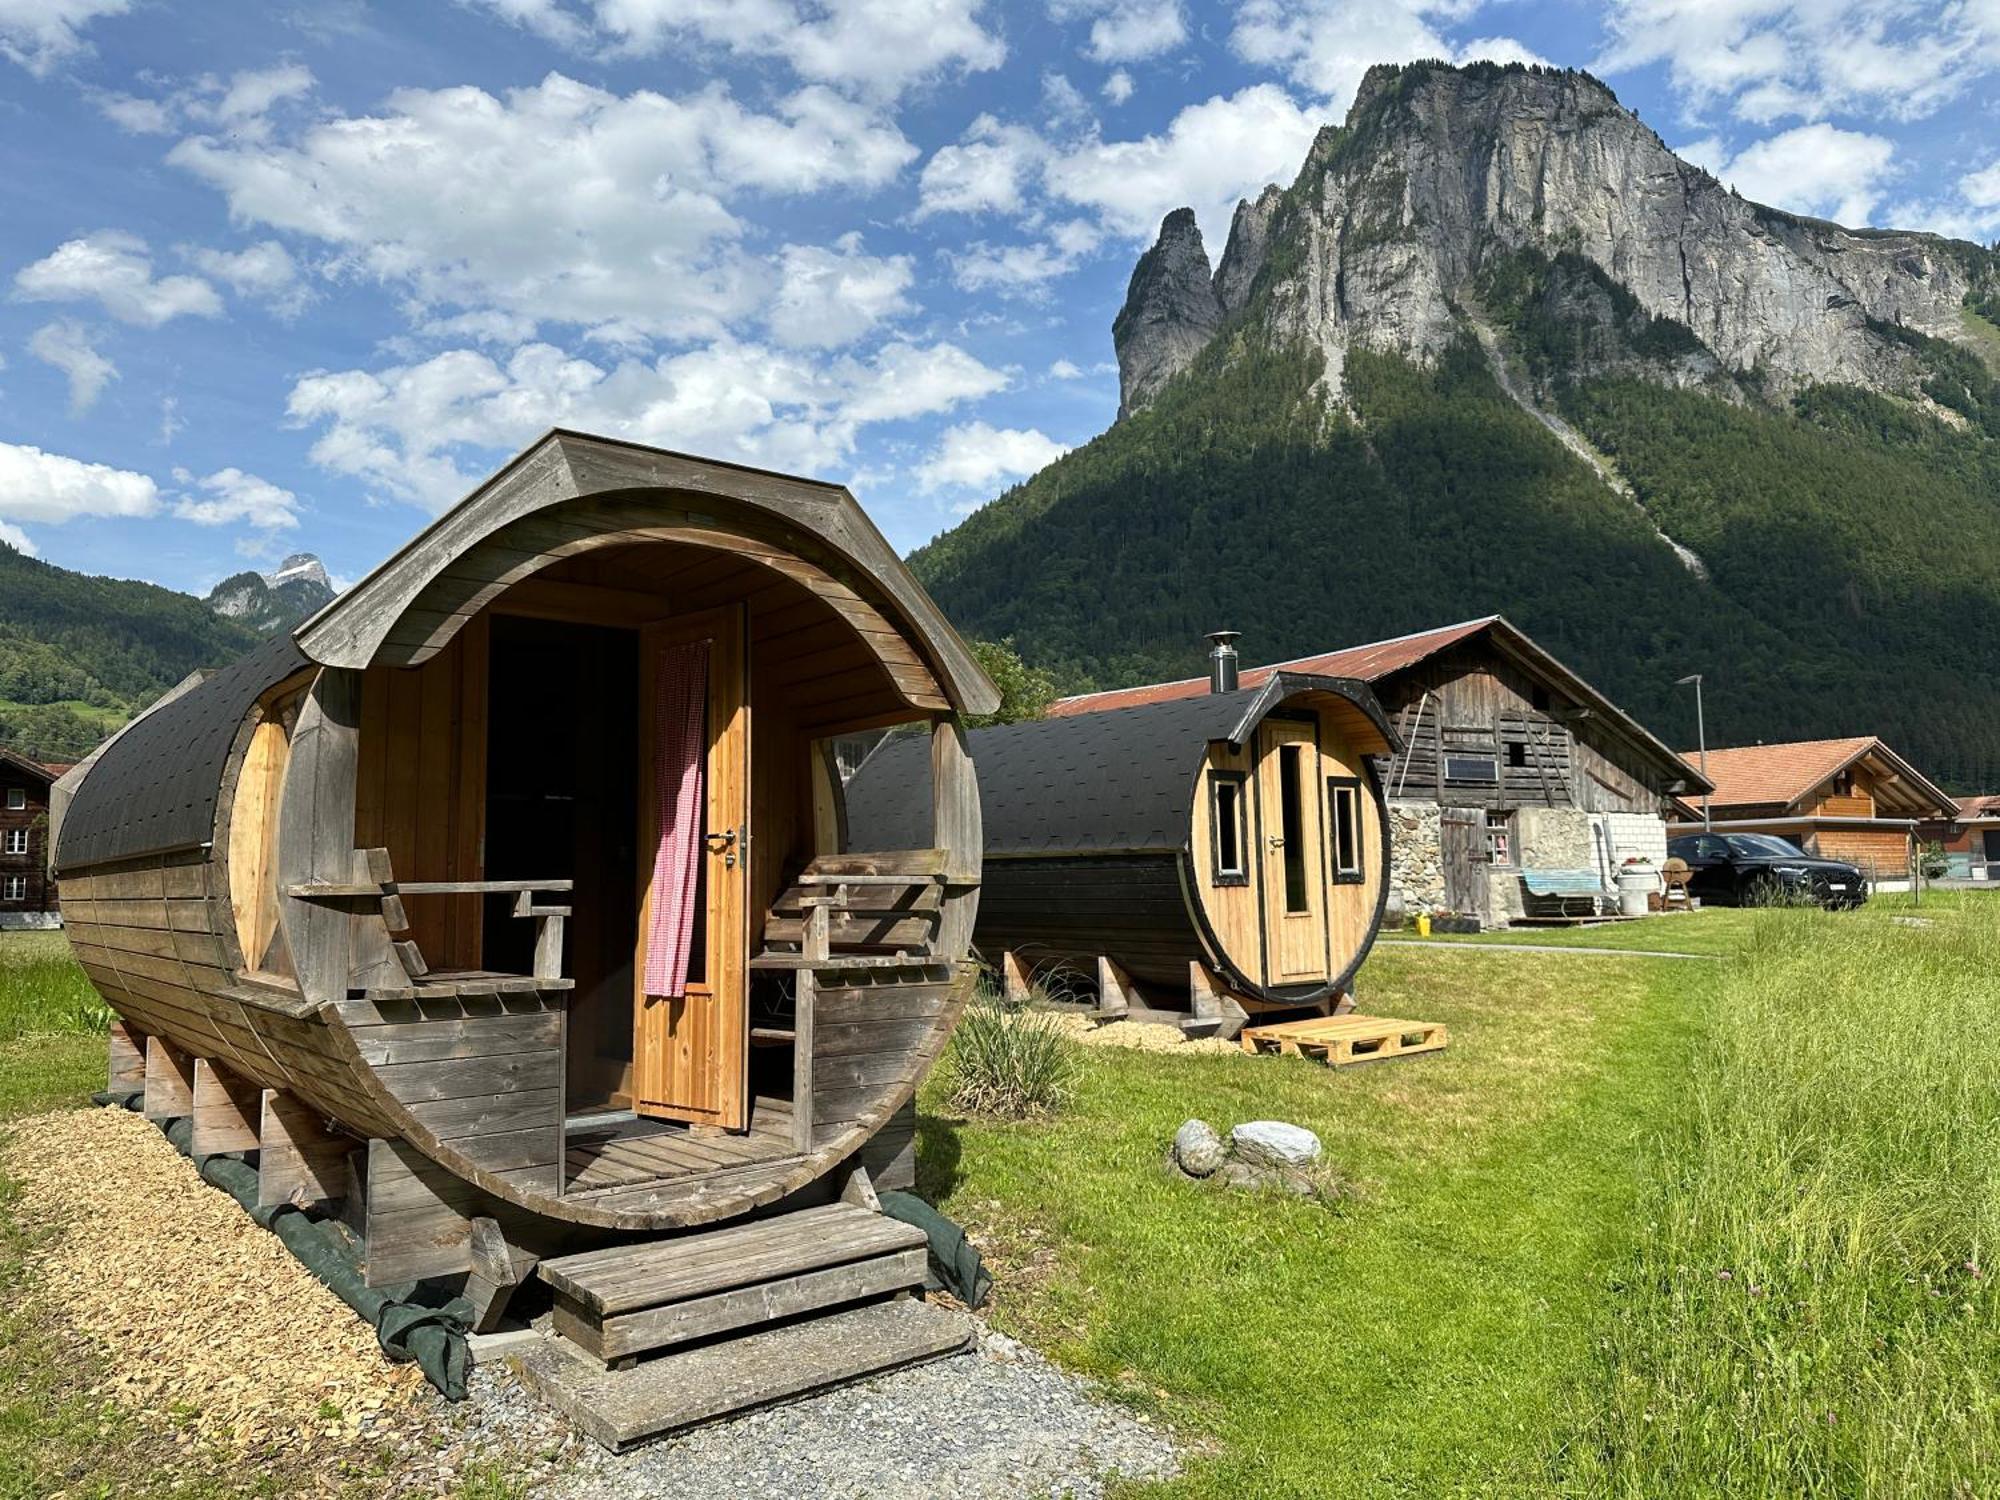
(1227, 852)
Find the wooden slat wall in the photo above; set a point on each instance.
(483, 1074)
(145, 934)
(420, 788)
(1126, 907)
(868, 1039)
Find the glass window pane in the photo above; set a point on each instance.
(1290, 795)
(1228, 828)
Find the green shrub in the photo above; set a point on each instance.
(1009, 1060)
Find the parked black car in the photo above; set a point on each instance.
(1756, 869)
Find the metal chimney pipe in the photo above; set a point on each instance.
(1222, 660)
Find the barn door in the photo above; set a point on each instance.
(1293, 857)
(1462, 851)
(690, 1050)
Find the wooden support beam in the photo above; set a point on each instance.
(169, 1081)
(1114, 989)
(128, 1059)
(1343, 1003)
(302, 1158)
(497, 1269)
(1213, 1002)
(227, 1111)
(414, 1216)
(859, 1190)
(1013, 978)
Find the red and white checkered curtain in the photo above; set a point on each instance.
(680, 758)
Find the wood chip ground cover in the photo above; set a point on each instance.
(201, 1321)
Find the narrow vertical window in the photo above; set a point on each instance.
(1226, 828)
(1291, 795)
(1343, 803)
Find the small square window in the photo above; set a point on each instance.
(1517, 754)
(15, 888)
(1343, 803)
(1500, 838)
(17, 841)
(17, 798)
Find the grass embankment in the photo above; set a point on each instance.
(1422, 1338)
(1813, 1312)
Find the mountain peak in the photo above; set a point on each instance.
(1441, 173)
(274, 601)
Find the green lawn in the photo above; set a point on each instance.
(1425, 1337)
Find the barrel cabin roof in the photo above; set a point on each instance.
(1782, 779)
(153, 787)
(1379, 662)
(1114, 782)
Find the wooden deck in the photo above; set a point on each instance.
(1340, 1040)
(606, 1156)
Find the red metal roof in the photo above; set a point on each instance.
(1369, 663)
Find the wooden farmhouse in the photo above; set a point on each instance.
(506, 901)
(1514, 784)
(1224, 853)
(1852, 799)
(27, 895)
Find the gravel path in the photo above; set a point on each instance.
(998, 1424)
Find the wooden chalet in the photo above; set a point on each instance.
(27, 895)
(1970, 841)
(1853, 799)
(505, 901)
(1511, 772)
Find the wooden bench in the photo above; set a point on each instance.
(1571, 893)
(387, 964)
(857, 911)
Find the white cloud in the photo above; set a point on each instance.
(234, 496)
(404, 429)
(989, 171)
(560, 201)
(1326, 45)
(1064, 369)
(1126, 30)
(49, 488)
(1813, 169)
(136, 115)
(1118, 87)
(1025, 269)
(16, 538)
(545, 18)
(66, 346)
(1770, 59)
(1210, 155)
(171, 423)
(1982, 188)
(880, 47)
(115, 269)
(830, 297)
(265, 271)
(973, 455)
(38, 34)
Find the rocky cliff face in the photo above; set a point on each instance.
(1171, 311)
(269, 602)
(1440, 173)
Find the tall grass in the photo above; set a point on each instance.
(1010, 1061)
(1813, 1312)
(42, 990)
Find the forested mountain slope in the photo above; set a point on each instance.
(78, 654)
(1418, 389)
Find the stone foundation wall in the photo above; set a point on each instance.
(1416, 865)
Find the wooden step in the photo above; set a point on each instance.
(620, 1302)
(620, 1408)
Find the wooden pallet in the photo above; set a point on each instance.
(1340, 1040)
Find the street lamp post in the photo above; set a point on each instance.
(1701, 735)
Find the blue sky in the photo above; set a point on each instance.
(294, 275)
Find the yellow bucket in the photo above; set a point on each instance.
(1423, 924)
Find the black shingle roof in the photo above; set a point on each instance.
(1123, 780)
(154, 788)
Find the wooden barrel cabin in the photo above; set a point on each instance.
(1228, 852)
(506, 896)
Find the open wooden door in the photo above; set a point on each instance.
(691, 1052)
(1294, 856)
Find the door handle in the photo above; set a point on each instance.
(723, 843)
